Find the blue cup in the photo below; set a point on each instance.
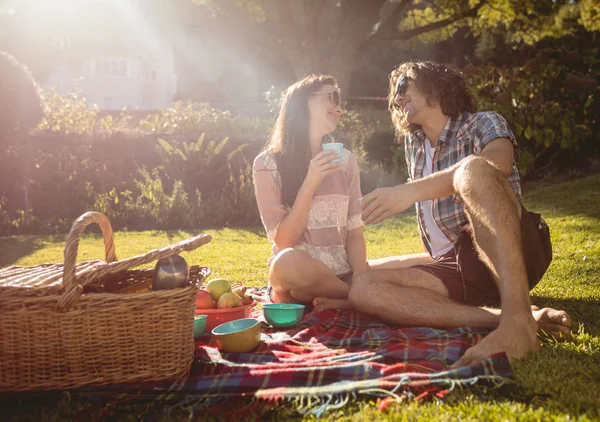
(337, 147)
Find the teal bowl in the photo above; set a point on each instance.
(283, 315)
(199, 325)
(238, 336)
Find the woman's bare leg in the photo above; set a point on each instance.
(297, 277)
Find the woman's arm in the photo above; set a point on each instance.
(293, 225)
(285, 226)
(357, 250)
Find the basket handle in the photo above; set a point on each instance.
(72, 289)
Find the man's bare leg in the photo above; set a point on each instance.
(402, 261)
(412, 297)
(494, 213)
(390, 262)
(295, 277)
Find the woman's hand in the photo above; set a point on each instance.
(320, 166)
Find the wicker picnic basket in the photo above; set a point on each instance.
(88, 324)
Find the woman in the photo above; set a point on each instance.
(308, 202)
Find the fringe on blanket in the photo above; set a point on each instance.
(308, 402)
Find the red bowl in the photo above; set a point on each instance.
(221, 316)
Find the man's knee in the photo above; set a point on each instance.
(473, 180)
(470, 173)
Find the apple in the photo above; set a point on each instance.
(204, 300)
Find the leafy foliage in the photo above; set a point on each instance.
(158, 172)
(191, 117)
(67, 113)
(550, 95)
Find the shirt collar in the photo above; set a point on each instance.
(448, 135)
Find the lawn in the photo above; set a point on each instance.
(560, 382)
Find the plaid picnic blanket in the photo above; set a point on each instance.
(328, 359)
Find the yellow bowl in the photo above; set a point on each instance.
(239, 336)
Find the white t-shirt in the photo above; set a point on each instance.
(440, 244)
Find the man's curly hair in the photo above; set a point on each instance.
(438, 82)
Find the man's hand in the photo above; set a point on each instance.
(385, 202)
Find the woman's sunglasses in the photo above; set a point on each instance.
(334, 96)
(401, 88)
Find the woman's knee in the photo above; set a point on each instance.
(287, 262)
(280, 262)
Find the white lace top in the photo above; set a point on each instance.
(335, 210)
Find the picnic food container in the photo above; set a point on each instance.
(172, 271)
(283, 315)
(220, 316)
(199, 325)
(97, 322)
(239, 336)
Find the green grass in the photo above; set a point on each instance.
(560, 382)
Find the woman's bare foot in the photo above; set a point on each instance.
(553, 323)
(322, 303)
(516, 338)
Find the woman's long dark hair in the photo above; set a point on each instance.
(289, 141)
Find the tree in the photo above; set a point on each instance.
(20, 110)
(20, 103)
(327, 36)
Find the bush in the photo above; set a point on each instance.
(139, 181)
(188, 117)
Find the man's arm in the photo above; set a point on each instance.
(357, 250)
(385, 202)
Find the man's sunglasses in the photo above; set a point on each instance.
(401, 88)
(334, 96)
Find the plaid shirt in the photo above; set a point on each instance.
(466, 135)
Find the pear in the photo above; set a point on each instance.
(239, 290)
(217, 286)
(229, 300)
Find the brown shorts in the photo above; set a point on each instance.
(467, 278)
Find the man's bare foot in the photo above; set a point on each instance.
(553, 323)
(516, 339)
(322, 303)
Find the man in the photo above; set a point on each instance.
(484, 248)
